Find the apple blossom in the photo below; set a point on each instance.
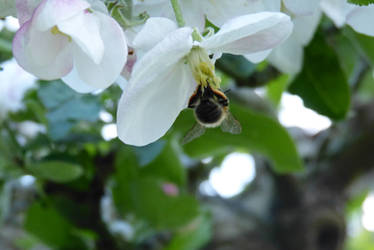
(302, 7)
(73, 40)
(216, 11)
(163, 80)
(288, 57)
(14, 82)
(360, 18)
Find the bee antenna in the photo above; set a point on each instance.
(227, 91)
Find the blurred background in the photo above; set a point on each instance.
(299, 176)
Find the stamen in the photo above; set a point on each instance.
(56, 31)
(202, 68)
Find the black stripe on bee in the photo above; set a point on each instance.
(208, 112)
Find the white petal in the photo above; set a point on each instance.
(102, 75)
(259, 56)
(218, 11)
(191, 9)
(155, 8)
(361, 20)
(272, 5)
(52, 12)
(336, 10)
(84, 29)
(98, 6)
(147, 110)
(153, 31)
(193, 13)
(164, 55)
(302, 7)
(305, 27)
(74, 81)
(250, 33)
(43, 54)
(25, 9)
(288, 57)
(122, 83)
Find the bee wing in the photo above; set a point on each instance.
(196, 131)
(231, 125)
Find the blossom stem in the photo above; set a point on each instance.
(178, 13)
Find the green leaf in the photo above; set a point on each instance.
(54, 93)
(65, 108)
(346, 52)
(354, 204)
(275, 89)
(148, 153)
(126, 172)
(260, 133)
(363, 44)
(160, 210)
(193, 237)
(85, 108)
(6, 38)
(167, 167)
(322, 84)
(57, 171)
(48, 225)
(236, 66)
(361, 2)
(137, 191)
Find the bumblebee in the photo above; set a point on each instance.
(211, 109)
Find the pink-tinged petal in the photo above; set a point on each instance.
(131, 60)
(165, 54)
(302, 7)
(102, 75)
(170, 189)
(53, 12)
(147, 109)
(43, 54)
(361, 20)
(25, 9)
(259, 56)
(153, 31)
(74, 81)
(84, 29)
(250, 33)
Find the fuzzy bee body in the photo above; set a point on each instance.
(210, 106)
(211, 109)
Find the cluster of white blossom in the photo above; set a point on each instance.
(163, 60)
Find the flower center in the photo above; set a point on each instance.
(202, 68)
(56, 31)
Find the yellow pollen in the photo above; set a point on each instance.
(56, 31)
(202, 68)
